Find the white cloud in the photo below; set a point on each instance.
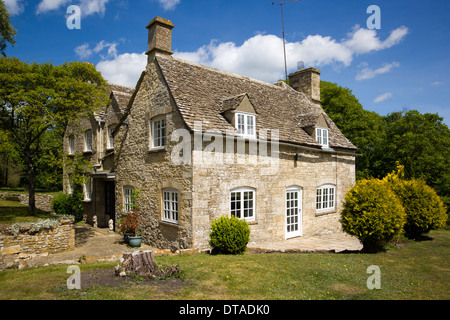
(49, 5)
(168, 4)
(383, 97)
(84, 51)
(437, 83)
(87, 7)
(261, 56)
(364, 40)
(368, 73)
(124, 70)
(14, 7)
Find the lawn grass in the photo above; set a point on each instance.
(420, 270)
(23, 191)
(13, 211)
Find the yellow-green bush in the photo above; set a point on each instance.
(229, 235)
(372, 213)
(425, 211)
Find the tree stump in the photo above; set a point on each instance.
(140, 263)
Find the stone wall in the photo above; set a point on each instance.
(151, 170)
(312, 169)
(59, 239)
(43, 201)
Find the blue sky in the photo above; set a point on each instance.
(403, 65)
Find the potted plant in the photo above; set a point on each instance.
(128, 225)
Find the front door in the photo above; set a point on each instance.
(110, 202)
(293, 212)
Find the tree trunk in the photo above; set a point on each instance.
(139, 263)
(31, 188)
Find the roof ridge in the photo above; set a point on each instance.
(118, 85)
(224, 72)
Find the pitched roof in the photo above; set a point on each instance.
(122, 95)
(203, 94)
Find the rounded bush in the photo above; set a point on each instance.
(229, 235)
(68, 204)
(61, 204)
(425, 211)
(372, 213)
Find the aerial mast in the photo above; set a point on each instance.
(281, 3)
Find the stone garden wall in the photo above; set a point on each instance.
(53, 237)
(43, 201)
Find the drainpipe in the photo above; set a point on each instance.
(100, 142)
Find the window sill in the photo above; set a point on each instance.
(87, 152)
(169, 223)
(157, 149)
(325, 212)
(86, 200)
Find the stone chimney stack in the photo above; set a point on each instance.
(308, 82)
(159, 37)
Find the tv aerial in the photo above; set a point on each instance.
(281, 3)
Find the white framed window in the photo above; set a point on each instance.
(71, 144)
(322, 136)
(128, 199)
(158, 132)
(245, 124)
(242, 203)
(88, 190)
(88, 141)
(71, 185)
(325, 197)
(170, 205)
(111, 136)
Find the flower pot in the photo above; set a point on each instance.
(127, 236)
(134, 241)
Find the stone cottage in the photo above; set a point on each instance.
(200, 143)
(92, 139)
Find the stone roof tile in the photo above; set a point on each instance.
(200, 94)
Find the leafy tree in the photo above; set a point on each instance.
(7, 31)
(38, 99)
(420, 142)
(365, 129)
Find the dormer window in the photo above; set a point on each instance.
(322, 136)
(245, 124)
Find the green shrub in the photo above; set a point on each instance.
(60, 204)
(69, 204)
(372, 213)
(425, 211)
(229, 235)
